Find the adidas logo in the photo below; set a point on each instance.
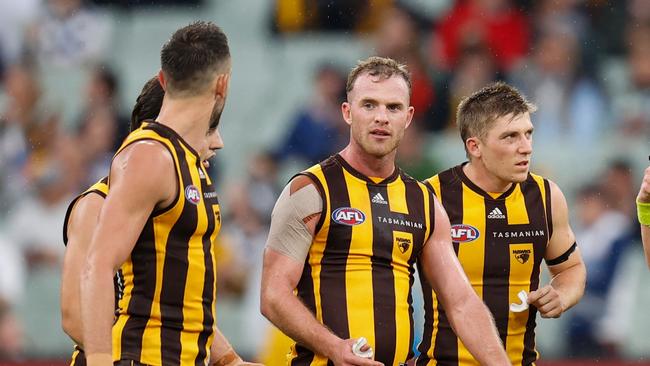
(496, 214)
(378, 198)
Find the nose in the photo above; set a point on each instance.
(381, 115)
(526, 146)
(216, 142)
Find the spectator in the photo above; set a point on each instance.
(399, 38)
(600, 235)
(497, 24)
(20, 121)
(328, 15)
(102, 94)
(317, 130)
(475, 69)
(629, 84)
(571, 106)
(69, 34)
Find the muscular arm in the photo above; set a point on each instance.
(644, 198)
(83, 219)
(468, 315)
(282, 307)
(142, 178)
(568, 278)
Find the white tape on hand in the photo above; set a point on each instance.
(518, 308)
(356, 348)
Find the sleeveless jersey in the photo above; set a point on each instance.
(359, 270)
(500, 242)
(166, 315)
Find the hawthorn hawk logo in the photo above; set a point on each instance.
(521, 255)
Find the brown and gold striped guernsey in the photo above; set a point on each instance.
(500, 242)
(166, 316)
(100, 188)
(359, 271)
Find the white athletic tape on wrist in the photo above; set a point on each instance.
(356, 348)
(518, 308)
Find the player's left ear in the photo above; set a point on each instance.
(221, 85)
(473, 147)
(162, 80)
(409, 117)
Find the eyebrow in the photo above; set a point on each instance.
(375, 101)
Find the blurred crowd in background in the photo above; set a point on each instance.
(585, 63)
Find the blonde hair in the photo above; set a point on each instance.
(382, 67)
(477, 113)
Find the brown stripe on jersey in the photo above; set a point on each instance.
(451, 193)
(415, 202)
(208, 281)
(304, 356)
(78, 357)
(306, 294)
(144, 285)
(537, 213)
(332, 280)
(549, 212)
(497, 254)
(175, 269)
(429, 186)
(321, 191)
(383, 288)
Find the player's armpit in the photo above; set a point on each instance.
(293, 220)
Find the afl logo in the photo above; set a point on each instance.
(348, 216)
(464, 233)
(192, 194)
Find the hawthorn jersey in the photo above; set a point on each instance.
(359, 270)
(100, 188)
(500, 241)
(166, 314)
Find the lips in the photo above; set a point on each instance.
(522, 163)
(380, 132)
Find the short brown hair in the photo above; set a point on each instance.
(192, 57)
(382, 67)
(477, 112)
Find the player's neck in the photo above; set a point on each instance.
(368, 165)
(189, 117)
(485, 180)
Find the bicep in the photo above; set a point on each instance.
(440, 263)
(563, 237)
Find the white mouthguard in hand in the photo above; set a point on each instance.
(518, 308)
(356, 348)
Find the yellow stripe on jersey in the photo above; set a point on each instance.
(358, 271)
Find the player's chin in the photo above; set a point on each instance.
(520, 177)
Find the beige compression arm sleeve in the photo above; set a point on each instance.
(289, 234)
